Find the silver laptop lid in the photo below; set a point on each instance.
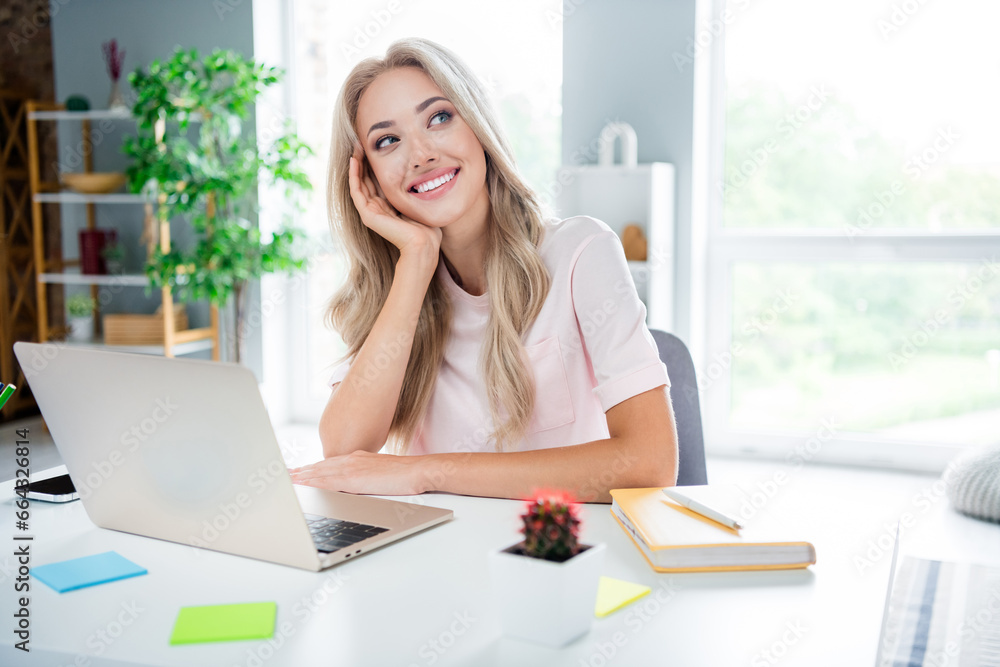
(176, 449)
(883, 639)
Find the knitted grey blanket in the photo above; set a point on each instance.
(973, 483)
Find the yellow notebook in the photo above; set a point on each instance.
(676, 539)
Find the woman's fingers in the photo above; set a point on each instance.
(365, 185)
(366, 182)
(363, 190)
(312, 472)
(357, 176)
(376, 190)
(378, 215)
(354, 182)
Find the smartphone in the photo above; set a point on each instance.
(52, 490)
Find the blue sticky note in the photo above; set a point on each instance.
(68, 575)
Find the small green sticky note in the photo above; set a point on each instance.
(224, 622)
(613, 594)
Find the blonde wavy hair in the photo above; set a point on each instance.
(517, 279)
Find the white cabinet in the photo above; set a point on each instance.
(641, 195)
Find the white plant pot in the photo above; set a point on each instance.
(81, 328)
(545, 602)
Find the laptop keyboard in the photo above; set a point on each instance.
(329, 535)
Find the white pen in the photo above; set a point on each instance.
(701, 508)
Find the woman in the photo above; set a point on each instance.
(496, 351)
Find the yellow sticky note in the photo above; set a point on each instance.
(613, 594)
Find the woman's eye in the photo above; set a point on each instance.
(441, 113)
(381, 142)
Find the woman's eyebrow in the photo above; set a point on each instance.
(420, 107)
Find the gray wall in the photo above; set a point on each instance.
(618, 64)
(147, 30)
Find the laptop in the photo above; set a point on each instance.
(183, 450)
(940, 612)
(886, 635)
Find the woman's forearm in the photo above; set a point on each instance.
(588, 471)
(360, 411)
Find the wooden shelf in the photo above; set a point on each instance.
(191, 335)
(90, 114)
(187, 347)
(131, 279)
(93, 114)
(78, 198)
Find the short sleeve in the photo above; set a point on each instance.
(339, 373)
(612, 321)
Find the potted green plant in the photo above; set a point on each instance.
(211, 179)
(81, 316)
(114, 256)
(545, 586)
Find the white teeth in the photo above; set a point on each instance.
(436, 183)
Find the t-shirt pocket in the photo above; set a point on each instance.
(553, 403)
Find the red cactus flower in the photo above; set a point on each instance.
(551, 525)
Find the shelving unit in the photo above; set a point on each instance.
(54, 270)
(642, 195)
(17, 273)
(77, 198)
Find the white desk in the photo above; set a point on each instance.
(395, 605)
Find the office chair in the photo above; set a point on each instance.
(687, 409)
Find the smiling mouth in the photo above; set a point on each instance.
(430, 186)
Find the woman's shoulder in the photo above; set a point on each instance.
(566, 234)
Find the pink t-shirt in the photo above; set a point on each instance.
(589, 349)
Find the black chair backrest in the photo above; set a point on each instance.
(687, 408)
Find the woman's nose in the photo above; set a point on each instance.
(422, 151)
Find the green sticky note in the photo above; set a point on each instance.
(613, 594)
(224, 622)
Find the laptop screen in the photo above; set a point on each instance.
(883, 638)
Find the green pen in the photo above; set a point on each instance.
(5, 393)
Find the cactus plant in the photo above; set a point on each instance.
(551, 527)
(549, 568)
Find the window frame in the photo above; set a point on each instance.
(726, 246)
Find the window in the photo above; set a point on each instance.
(854, 279)
(330, 38)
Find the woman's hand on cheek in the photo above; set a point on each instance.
(378, 215)
(363, 472)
